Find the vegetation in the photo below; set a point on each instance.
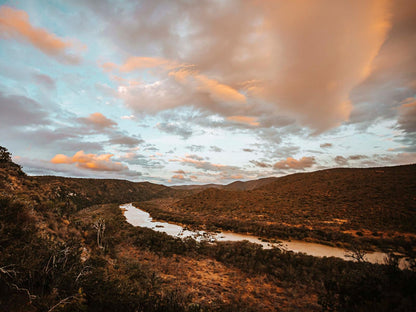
(63, 252)
(373, 207)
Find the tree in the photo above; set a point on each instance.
(357, 253)
(5, 156)
(99, 225)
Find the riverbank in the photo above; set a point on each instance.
(139, 217)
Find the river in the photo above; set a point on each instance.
(138, 217)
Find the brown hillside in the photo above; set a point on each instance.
(376, 199)
(78, 192)
(336, 205)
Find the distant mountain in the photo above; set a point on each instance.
(197, 187)
(234, 186)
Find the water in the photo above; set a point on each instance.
(138, 217)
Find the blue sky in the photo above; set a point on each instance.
(182, 92)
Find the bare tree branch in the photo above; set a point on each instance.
(63, 301)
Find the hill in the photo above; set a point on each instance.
(330, 205)
(234, 186)
(78, 192)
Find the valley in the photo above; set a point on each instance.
(66, 245)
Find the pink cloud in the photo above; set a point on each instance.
(291, 163)
(178, 177)
(94, 162)
(15, 24)
(252, 121)
(98, 120)
(136, 62)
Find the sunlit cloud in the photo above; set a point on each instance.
(134, 63)
(95, 162)
(252, 121)
(98, 120)
(292, 163)
(15, 24)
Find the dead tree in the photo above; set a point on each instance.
(356, 253)
(99, 225)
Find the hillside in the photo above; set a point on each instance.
(62, 249)
(78, 192)
(330, 205)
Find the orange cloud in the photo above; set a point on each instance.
(98, 120)
(186, 78)
(109, 66)
(187, 75)
(244, 120)
(325, 50)
(90, 161)
(291, 163)
(178, 177)
(15, 23)
(137, 62)
(218, 90)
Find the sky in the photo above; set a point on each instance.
(208, 91)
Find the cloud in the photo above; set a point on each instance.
(407, 123)
(320, 64)
(326, 145)
(291, 163)
(180, 88)
(308, 83)
(218, 91)
(179, 172)
(129, 117)
(340, 160)
(17, 110)
(122, 139)
(407, 116)
(104, 125)
(199, 163)
(377, 160)
(345, 161)
(173, 128)
(195, 148)
(260, 164)
(357, 157)
(178, 177)
(94, 162)
(45, 81)
(215, 149)
(15, 24)
(134, 63)
(252, 121)
(392, 77)
(98, 121)
(142, 160)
